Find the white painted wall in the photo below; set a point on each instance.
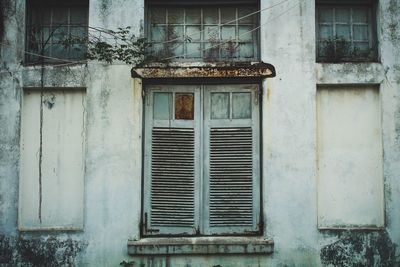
(55, 200)
(349, 157)
(112, 182)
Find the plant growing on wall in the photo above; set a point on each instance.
(337, 49)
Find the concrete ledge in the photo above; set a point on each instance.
(350, 73)
(200, 246)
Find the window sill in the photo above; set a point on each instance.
(200, 246)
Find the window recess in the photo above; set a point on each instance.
(201, 161)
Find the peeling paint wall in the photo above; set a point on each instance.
(113, 146)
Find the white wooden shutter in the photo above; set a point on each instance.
(171, 163)
(231, 159)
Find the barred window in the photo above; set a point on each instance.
(345, 31)
(209, 33)
(50, 24)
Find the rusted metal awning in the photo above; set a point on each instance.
(227, 70)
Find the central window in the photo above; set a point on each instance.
(203, 33)
(201, 160)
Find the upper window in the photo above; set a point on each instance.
(201, 163)
(50, 24)
(203, 33)
(345, 31)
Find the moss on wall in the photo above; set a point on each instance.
(50, 251)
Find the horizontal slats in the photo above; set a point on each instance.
(172, 177)
(231, 177)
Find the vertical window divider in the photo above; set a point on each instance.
(184, 41)
(230, 106)
(202, 44)
(219, 33)
(237, 32)
(351, 30)
(201, 206)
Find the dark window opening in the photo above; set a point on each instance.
(56, 31)
(346, 31)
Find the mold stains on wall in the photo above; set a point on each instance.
(355, 248)
(51, 251)
(104, 9)
(6, 11)
(49, 100)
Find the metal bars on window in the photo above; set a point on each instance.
(203, 33)
(345, 31)
(52, 29)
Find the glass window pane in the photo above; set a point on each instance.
(77, 51)
(219, 105)
(78, 16)
(158, 33)
(175, 15)
(175, 33)
(360, 32)
(162, 108)
(245, 33)
(210, 15)
(193, 16)
(78, 32)
(241, 105)
(193, 33)
(246, 50)
(211, 51)
(228, 33)
(325, 32)
(193, 50)
(211, 33)
(229, 49)
(342, 15)
(59, 34)
(158, 15)
(58, 51)
(159, 50)
(228, 14)
(325, 15)
(184, 106)
(322, 49)
(360, 15)
(243, 12)
(176, 50)
(60, 16)
(46, 16)
(361, 48)
(343, 31)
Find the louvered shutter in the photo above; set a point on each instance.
(171, 161)
(231, 174)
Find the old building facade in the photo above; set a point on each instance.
(265, 133)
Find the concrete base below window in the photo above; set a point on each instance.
(200, 246)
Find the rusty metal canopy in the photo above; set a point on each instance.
(220, 70)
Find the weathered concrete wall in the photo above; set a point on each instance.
(112, 185)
